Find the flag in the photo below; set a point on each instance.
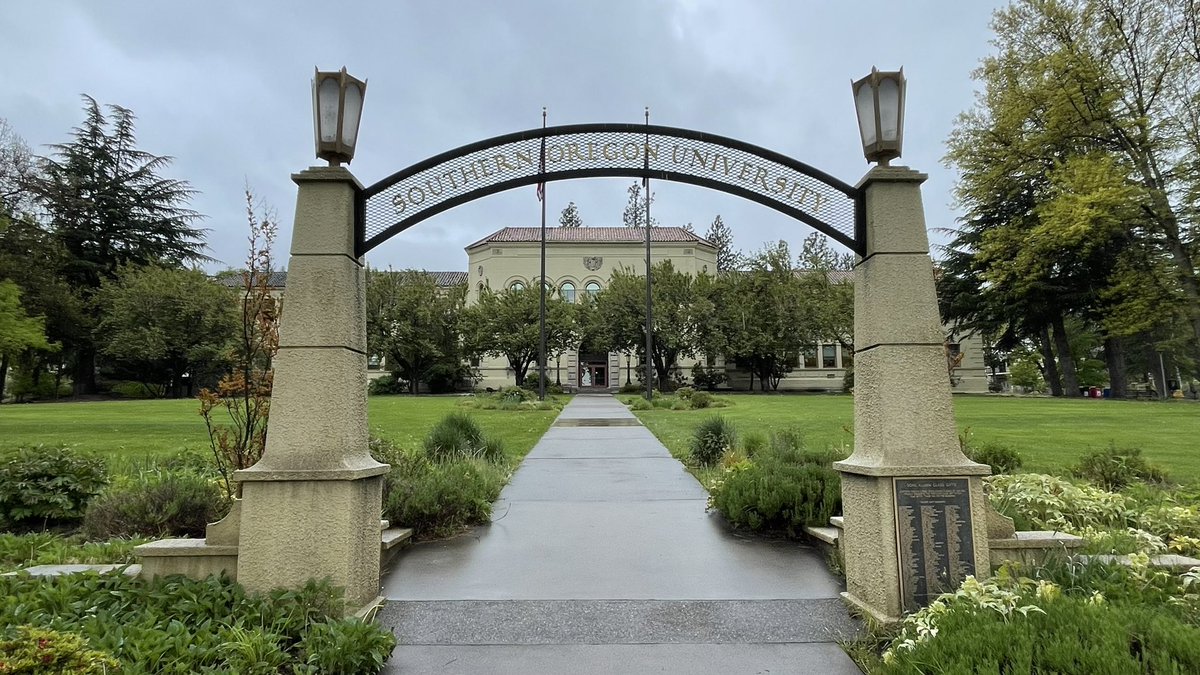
(541, 188)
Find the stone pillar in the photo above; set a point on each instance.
(311, 506)
(902, 549)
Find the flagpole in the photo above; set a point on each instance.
(649, 296)
(542, 305)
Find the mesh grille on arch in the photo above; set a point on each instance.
(607, 150)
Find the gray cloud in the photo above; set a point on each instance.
(223, 88)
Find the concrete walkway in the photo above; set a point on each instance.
(601, 559)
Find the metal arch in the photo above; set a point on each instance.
(377, 218)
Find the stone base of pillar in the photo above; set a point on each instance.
(312, 525)
(871, 543)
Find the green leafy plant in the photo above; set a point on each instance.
(47, 548)
(346, 646)
(457, 436)
(1002, 458)
(386, 385)
(1115, 468)
(701, 399)
(769, 494)
(712, 439)
(39, 651)
(157, 505)
(685, 392)
(753, 443)
(43, 484)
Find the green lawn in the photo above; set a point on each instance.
(130, 431)
(1051, 434)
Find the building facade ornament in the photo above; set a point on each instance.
(593, 262)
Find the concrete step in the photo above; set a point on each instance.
(837, 522)
(828, 535)
(611, 622)
(58, 570)
(392, 541)
(396, 536)
(1169, 561)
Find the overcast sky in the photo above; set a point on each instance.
(224, 88)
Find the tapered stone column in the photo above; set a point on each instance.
(311, 506)
(930, 535)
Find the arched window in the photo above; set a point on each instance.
(592, 289)
(567, 291)
(517, 286)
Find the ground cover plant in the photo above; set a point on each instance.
(1061, 618)
(178, 625)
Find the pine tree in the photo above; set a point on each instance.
(635, 209)
(570, 216)
(720, 235)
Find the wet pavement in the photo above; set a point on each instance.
(601, 558)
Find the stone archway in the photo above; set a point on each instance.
(914, 506)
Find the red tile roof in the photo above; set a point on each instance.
(592, 235)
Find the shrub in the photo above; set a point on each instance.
(177, 625)
(1002, 458)
(438, 499)
(457, 436)
(685, 392)
(1041, 502)
(156, 505)
(1113, 468)
(773, 494)
(41, 484)
(33, 650)
(701, 399)
(680, 404)
(707, 378)
(712, 438)
(22, 387)
(132, 390)
(631, 388)
(641, 404)
(387, 385)
(753, 443)
(531, 381)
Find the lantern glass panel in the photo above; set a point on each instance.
(354, 103)
(889, 109)
(864, 101)
(327, 109)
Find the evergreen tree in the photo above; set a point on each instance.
(634, 214)
(108, 207)
(570, 216)
(728, 259)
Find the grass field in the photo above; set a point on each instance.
(1050, 434)
(130, 432)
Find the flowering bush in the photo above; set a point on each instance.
(1110, 521)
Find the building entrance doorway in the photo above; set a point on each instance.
(593, 370)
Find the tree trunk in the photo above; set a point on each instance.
(1049, 366)
(85, 370)
(1065, 361)
(4, 361)
(1114, 357)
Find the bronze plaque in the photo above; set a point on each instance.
(934, 537)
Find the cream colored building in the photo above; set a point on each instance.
(581, 260)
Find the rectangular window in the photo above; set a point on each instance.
(373, 362)
(847, 357)
(828, 356)
(810, 358)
